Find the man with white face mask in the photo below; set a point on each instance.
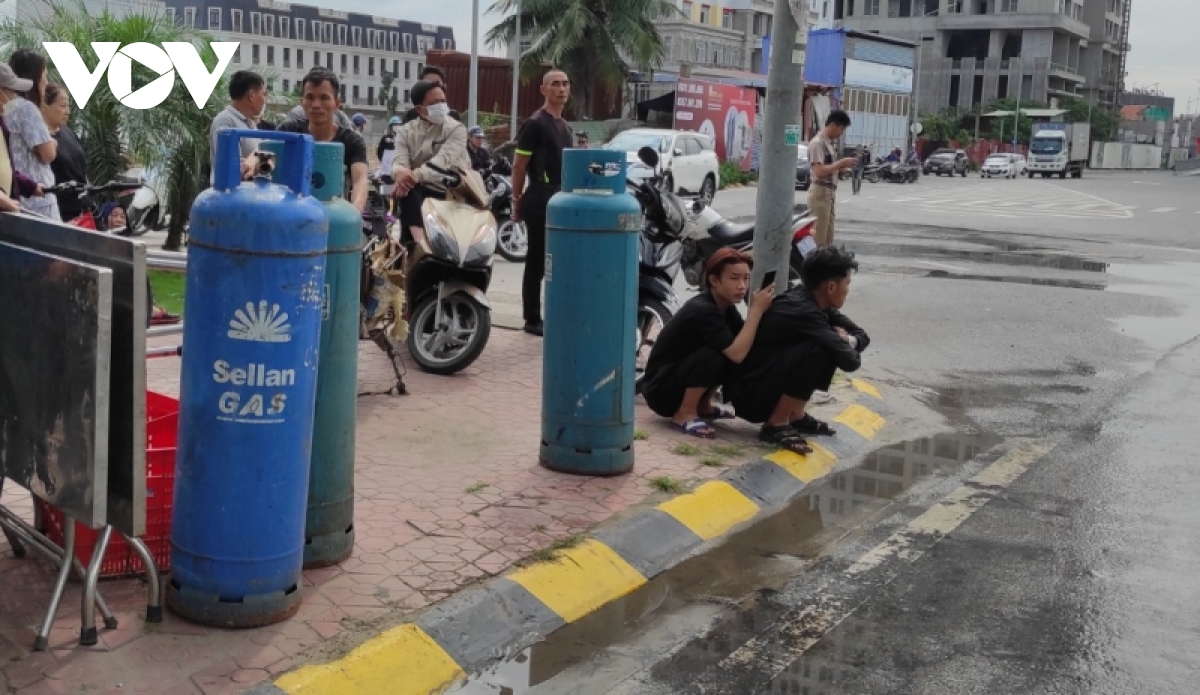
(434, 138)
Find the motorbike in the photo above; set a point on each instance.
(710, 231)
(664, 221)
(447, 274)
(146, 208)
(511, 240)
(89, 219)
(900, 172)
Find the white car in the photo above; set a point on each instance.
(689, 163)
(1010, 166)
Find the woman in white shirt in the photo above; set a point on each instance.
(33, 146)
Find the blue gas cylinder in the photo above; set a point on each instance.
(255, 280)
(591, 317)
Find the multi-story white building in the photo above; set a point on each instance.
(284, 41)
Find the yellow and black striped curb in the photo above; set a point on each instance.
(472, 631)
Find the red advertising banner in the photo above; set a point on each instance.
(723, 112)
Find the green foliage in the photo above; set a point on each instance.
(1104, 122)
(594, 41)
(386, 97)
(168, 288)
(943, 126)
(732, 175)
(1002, 128)
(665, 483)
(172, 136)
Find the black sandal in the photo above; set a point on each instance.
(785, 438)
(810, 425)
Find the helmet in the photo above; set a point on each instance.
(359, 118)
(394, 120)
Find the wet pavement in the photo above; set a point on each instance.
(1074, 574)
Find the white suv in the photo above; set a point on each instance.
(689, 164)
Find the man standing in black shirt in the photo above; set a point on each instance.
(320, 103)
(540, 144)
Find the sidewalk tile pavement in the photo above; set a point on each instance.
(448, 493)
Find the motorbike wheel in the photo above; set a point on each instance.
(652, 316)
(794, 263)
(453, 346)
(512, 241)
(872, 177)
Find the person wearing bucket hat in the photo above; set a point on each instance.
(15, 184)
(481, 161)
(33, 146)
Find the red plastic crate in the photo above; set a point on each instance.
(162, 428)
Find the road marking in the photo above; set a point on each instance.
(710, 511)
(782, 644)
(861, 420)
(579, 580)
(1164, 209)
(866, 387)
(805, 467)
(403, 655)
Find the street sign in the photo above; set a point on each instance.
(791, 135)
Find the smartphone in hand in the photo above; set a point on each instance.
(768, 280)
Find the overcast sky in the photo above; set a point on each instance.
(1163, 36)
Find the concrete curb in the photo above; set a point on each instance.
(479, 627)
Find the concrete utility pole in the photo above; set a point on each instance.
(473, 97)
(516, 85)
(777, 166)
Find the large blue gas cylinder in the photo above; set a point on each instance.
(591, 317)
(254, 297)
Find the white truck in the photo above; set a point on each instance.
(1059, 148)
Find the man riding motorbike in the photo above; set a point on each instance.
(433, 139)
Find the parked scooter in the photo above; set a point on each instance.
(710, 231)
(447, 275)
(665, 220)
(512, 242)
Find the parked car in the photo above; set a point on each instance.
(1010, 166)
(803, 170)
(946, 161)
(689, 163)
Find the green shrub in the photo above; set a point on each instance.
(731, 174)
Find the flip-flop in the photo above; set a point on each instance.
(164, 318)
(785, 438)
(720, 411)
(810, 425)
(695, 428)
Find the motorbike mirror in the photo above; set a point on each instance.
(697, 206)
(648, 156)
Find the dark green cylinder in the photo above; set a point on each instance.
(329, 523)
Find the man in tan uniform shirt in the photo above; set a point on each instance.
(825, 164)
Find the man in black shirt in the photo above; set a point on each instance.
(437, 77)
(803, 340)
(320, 103)
(694, 351)
(540, 144)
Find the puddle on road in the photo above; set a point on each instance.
(1048, 282)
(1034, 259)
(765, 555)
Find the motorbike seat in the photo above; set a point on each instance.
(728, 232)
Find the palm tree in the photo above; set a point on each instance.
(594, 41)
(172, 137)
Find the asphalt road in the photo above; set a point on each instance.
(1037, 536)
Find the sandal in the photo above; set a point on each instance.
(695, 428)
(720, 411)
(810, 425)
(785, 438)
